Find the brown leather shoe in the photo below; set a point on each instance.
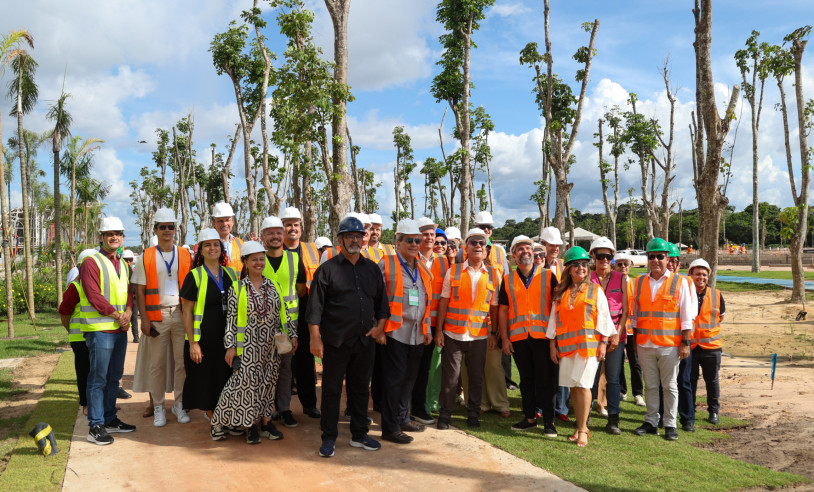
(506, 414)
(398, 438)
(412, 427)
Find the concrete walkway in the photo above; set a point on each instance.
(183, 457)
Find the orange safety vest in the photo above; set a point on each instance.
(378, 252)
(310, 260)
(234, 260)
(332, 251)
(440, 265)
(560, 267)
(151, 298)
(707, 324)
(576, 326)
(463, 314)
(659, 320)
(529, 308)
(394, 280)
(497, 255)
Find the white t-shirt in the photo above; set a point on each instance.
(170, 298)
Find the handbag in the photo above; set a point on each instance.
(283, 343)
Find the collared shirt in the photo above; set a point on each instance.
(427, 259)
(140, 275)
(474, 278)
(687, 307)
(346, 299)
(228, 243)
(410, 332)
(721, 304)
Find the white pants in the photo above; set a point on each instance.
(171, 335)
(660, 365)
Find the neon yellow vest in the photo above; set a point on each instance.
(286, 279)
(197, 315)
(243, 316)
(113, 288)
(75, 326)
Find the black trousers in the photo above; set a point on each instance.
(538, 377)
(376, 376)
(354, 359)
(636, 379)
(81, 364)
(400, 364)
(419, 397)
(708, 361)
(303, 368)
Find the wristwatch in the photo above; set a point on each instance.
(685, 342)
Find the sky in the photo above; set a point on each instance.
(132, 67)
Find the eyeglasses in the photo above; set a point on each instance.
(440, 243)
(623, 265)
(354, 237)
(114, 233)
(657, 256)
(166, 227)
(539, 256)
(604, 256)
(580, 264)
(476, 242)
(412, 240)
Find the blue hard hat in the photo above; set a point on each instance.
(351, 224)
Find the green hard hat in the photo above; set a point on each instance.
(657, 244)
(672, 251)
(576, 253)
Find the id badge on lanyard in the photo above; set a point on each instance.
(412, 296)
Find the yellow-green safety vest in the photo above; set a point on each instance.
(113, 288)
(197, 315)
(243, 316)
(286, 278)
(75, 325)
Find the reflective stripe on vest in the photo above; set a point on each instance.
(394, 282)
(198, 313)
(286, 278)
(707, 324)
(243, 317)
(463, 313)
(576, 327)
(310, 260)
(151, 297)
(112, 287)
(75, 325)
(658, 320)
(440, 265)
(535, 304)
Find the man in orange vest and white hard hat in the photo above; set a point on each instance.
(406, 332)
(376, 250)
(158, 277)
(551, 239)
(223, 220)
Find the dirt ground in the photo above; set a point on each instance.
(29, 377)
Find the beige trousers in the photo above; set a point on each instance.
(168, 344)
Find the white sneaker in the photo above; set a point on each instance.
(640, 401)
(159, 416)
(180, 413)
(623, 396)
(603, 412)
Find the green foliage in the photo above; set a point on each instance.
(24, 69)
(788, 218)
(45, 295)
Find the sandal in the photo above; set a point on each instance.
(574, 437)
(584, 443)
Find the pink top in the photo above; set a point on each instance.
(615, 295)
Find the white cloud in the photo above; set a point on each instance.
(375, 133)
(505, 9)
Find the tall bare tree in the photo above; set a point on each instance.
(608, 171)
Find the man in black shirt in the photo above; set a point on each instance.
(347, 310)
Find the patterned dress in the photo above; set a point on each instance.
(249, 392)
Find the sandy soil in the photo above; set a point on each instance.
(30, 376)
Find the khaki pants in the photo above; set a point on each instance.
(494, 395)
(169, 343)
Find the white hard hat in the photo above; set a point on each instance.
(127, 254)
(452, 232)
(87, 252)
(407, 226)
(484, 217)
(154, 240)
(475, 232)
(207, 235)
(290, 213)
(521, 239)
(700, 262)
(375, 219)
(538, 246)
(365, 218)
(551, 235)
(322, 242)
(111, 224)
(622, 256)
(426, 222)
(270, 222)
(602, 242)
(222, 209)
(164, 215)
(251, 247)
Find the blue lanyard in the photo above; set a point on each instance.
(413, 277)
(531, 277)
(220, 275)
(169, 265)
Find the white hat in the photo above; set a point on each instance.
(207, 235)
(622, 256)
(475, 232)
(126, 254)
(251, 247)
(484, 217)
(538, 246)
(602, 242)
(222, 209)
(407, 226)
(111, 224)
(270, 222)
(290, 213)
(452, 232)
(426, 222)
(85, 253)
(551, 235)
(164, 215)
(521, 239)
(154, 240)
(700, 262)
(365, 218)
(375, 219)
(322, 241)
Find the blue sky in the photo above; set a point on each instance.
(135, 66)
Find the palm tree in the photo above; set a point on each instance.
(10, 48)
(77, 162)
(90, 192)
(24, 90)
(62, 132)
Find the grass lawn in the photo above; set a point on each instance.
(628, 461)
(26, 468)
(765, 274)
(28, 342)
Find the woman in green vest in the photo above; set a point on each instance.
(204, 295)
(253, 317)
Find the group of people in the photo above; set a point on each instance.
(414, 324)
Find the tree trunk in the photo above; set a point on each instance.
(228, 164)
(6, 240)
(57, 227)
(29, 264)
(798, 239)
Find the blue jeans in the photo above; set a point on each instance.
(614, 361)
(561, 402)
(107, 352)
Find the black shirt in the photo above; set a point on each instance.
(503, 296)
(346, 300)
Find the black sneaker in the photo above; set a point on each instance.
(312, 412)
(117, 425)
(443, 423)
(234, 430)
(253, 437)
(98, 435)
(122, 395)
(713, 419)
(646, 428)
(216, 433)
(276, 416)
(688, 426)
(670, 434)
(472, 422)
(549, 430)
(270, 431)
(423, 418)
(524, 425)
(289, 420)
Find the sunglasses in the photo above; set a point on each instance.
(453, 246)
(604, 256)
(128, 260)
(476, 242)
(580, 264)
(657, 256)
(166, 227)
(440, 243)
(114, 233)
(412, 240)
(539, 256)
(486, 227)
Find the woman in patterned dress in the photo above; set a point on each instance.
(247, 400)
